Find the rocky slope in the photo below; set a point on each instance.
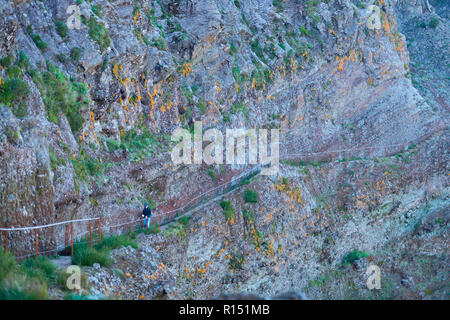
(88, 112)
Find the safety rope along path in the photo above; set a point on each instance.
(191, 206)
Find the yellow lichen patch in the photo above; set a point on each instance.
(333, 33)
(185, 69)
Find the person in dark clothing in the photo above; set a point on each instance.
(147, 215)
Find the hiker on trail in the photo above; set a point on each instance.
(147, 215)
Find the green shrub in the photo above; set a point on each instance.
(14, 93)
(62, 95)
(250, 196)
(233, 48)
(7, 264)
(14, 72)
(212, 174)
(42, 269)
(434, 23)
(237, 261)
(159, 43)
(6, 61)
(115, 242)
(99, 33)
(75, 53)
(112, 145)
(23, 282)
(304, 31)
(97, 10)
(184, 220)
(83, 255)
(23, 61)
(61, 29)
(154, 229)
(22, 288)
(354, 255)
(13, 90)
(248, 216)
(258, 50)
(239, 106)
(278, 4)
(228, 210)
(41, 44)
(85, 166)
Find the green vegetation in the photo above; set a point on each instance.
(237, 261)
(23, 61)
(61, 95)
(61, 28)
(99, 33)
(433, 23)
(354, 255)
(202, 105)
(75, 53)
(97, 11)
(258, 50)
(177, 228)
(115, 242)
(278, 4)
(54, 161)
(233, 48)
(140, 143)
(160, 43)
(212, 174)
(248, 216)
(84, 165)
(6, 61)
(240, 106)
(14, 72)
(250, 196)
(14, 93)
(83, 255)
(228, 211)
(30, 279)
(304, 31)
(41, 44)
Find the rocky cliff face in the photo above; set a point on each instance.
(88, 112)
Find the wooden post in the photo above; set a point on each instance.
(331, 156)
(6, 241)
(36, 243)
(90, 235)
(71, 239)
(99, 231)
(131, 227)
(66, 238)
(159, 221)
